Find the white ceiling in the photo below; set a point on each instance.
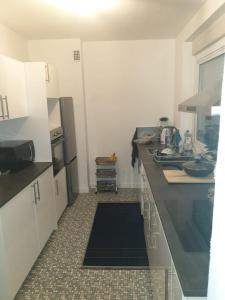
(132, 19)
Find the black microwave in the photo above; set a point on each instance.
(16, 154)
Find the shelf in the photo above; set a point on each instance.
(106, 175)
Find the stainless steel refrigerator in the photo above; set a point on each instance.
(70, 151)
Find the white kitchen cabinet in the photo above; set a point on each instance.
(60, 192)
(19, 245)
(26, 222)
(157, 246)
(51, 82)
(13, 94)
(45, 208)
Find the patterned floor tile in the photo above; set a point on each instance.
(57, 273)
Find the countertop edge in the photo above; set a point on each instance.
(38, 167)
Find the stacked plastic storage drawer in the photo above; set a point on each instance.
(106, 176)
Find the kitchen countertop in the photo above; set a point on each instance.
(12, 184)
(191, 266)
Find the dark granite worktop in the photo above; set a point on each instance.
(173, 202)
(12, 184)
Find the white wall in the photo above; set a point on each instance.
(60, 54)
(12, 44)
(127, 84)
(185, 82)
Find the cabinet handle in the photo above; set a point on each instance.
(144, 178)
(57, 187)
(7, 106)
(153, 241)
(39, 196)
(47, 73)
(2, 108)
(35, 195)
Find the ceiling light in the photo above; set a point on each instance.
(85, 7)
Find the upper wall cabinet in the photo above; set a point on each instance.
(13, 96)
(52, 82)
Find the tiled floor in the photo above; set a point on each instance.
(57, 274)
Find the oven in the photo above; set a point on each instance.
(57, 140)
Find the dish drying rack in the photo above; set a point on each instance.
(106, 175)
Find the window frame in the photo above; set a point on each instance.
(208, 54)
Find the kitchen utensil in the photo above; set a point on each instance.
(198, 168)
(170, 136)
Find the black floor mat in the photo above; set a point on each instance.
(117, 237)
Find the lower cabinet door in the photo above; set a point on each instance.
(159, 252)
(19, 244)
(60, 192)
(45, 208)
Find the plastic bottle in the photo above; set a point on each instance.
(168, 138)
(187, 145)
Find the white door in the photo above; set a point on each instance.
(45, 208)
(19, 241)
(13, 88)
(60, 193)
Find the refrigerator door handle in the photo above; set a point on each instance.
(57, 187)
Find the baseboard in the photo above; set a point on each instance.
(128, 186)
(123, 186)
(84, 190)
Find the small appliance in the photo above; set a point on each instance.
(15, 155)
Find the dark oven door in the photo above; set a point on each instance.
(57, 155)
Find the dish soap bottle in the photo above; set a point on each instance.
(187, 145)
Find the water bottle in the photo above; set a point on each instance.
(187, 145)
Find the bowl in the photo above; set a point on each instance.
(198, 168)
(146, 139)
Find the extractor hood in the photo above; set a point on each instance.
(203, 100)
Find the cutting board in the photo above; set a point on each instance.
(177, 176)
